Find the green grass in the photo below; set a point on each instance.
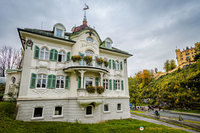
(9, 125)
(136, 111)
(177, 124)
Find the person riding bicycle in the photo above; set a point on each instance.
(157, 113)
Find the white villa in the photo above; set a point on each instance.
(69, 76)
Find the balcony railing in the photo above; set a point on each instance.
(83, 63)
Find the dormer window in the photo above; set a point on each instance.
(59, 32)
(108, 45)
(89, 39)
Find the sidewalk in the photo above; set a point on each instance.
(160, 123)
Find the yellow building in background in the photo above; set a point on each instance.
(187, 55)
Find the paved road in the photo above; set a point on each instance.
(160, 123)
(175, 115)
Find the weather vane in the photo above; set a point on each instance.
(85, 8)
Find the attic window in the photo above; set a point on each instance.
(108, 45)
(89, 39)
(59, 32)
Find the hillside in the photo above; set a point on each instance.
(179, 89)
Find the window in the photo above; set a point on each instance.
(117, 65)
(58, 110)
(89, 110)
(105, 83)
(108, 45)
(118, 84)
(119, 107)
(41, 81)
(44, 54)
(59, 32)
(106, 107)
(88, 81)
(13, 79)
(38, 112)
(89, 39)
(61, 56)
(59, 81)
(89, 53)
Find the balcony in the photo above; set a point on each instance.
(81, 65)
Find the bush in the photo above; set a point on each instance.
(105, 63)
(99, 61)
(100, 89)
(90, 89)
(87, 59)
(76, 58)
(7, 108)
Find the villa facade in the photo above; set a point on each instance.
(61, 70)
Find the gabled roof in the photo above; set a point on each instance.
(115, 50)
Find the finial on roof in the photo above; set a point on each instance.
(85, 19)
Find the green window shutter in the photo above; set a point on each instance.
(33, 80)
(68, 56)
(49, 81)
(36, 52)
(114, 85)
(96, 81)
(121, 65)
(79, 82)
(122, 84)
(109, 64)
(110, 84)
(51, 54)
(55, 55)
(67, 81)
(53, 82)
(114, 65)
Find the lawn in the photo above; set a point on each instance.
(9, 125)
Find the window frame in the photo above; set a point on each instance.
(60, 81)
(59, 34)
(87, 79)
(56, 116)
(45, 51)
(63, 56)
(42, 117)
(108, 111)
(118, 84)
(121, 110)
(106, 83)
(41, 80)
(91, 110)
(90, 39)
(117, 65)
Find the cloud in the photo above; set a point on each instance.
(150, 30)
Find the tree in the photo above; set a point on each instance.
(172, 64)
(10, 58)
(167, 65)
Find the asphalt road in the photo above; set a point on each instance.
(174, 115)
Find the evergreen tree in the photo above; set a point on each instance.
(167, 65)
(172, 64)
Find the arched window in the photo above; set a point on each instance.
(13, 79)
(117, 65)
(44, 53)
(61, 56)
(89, 53)
(89, 39)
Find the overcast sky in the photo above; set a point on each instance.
(149, 29)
